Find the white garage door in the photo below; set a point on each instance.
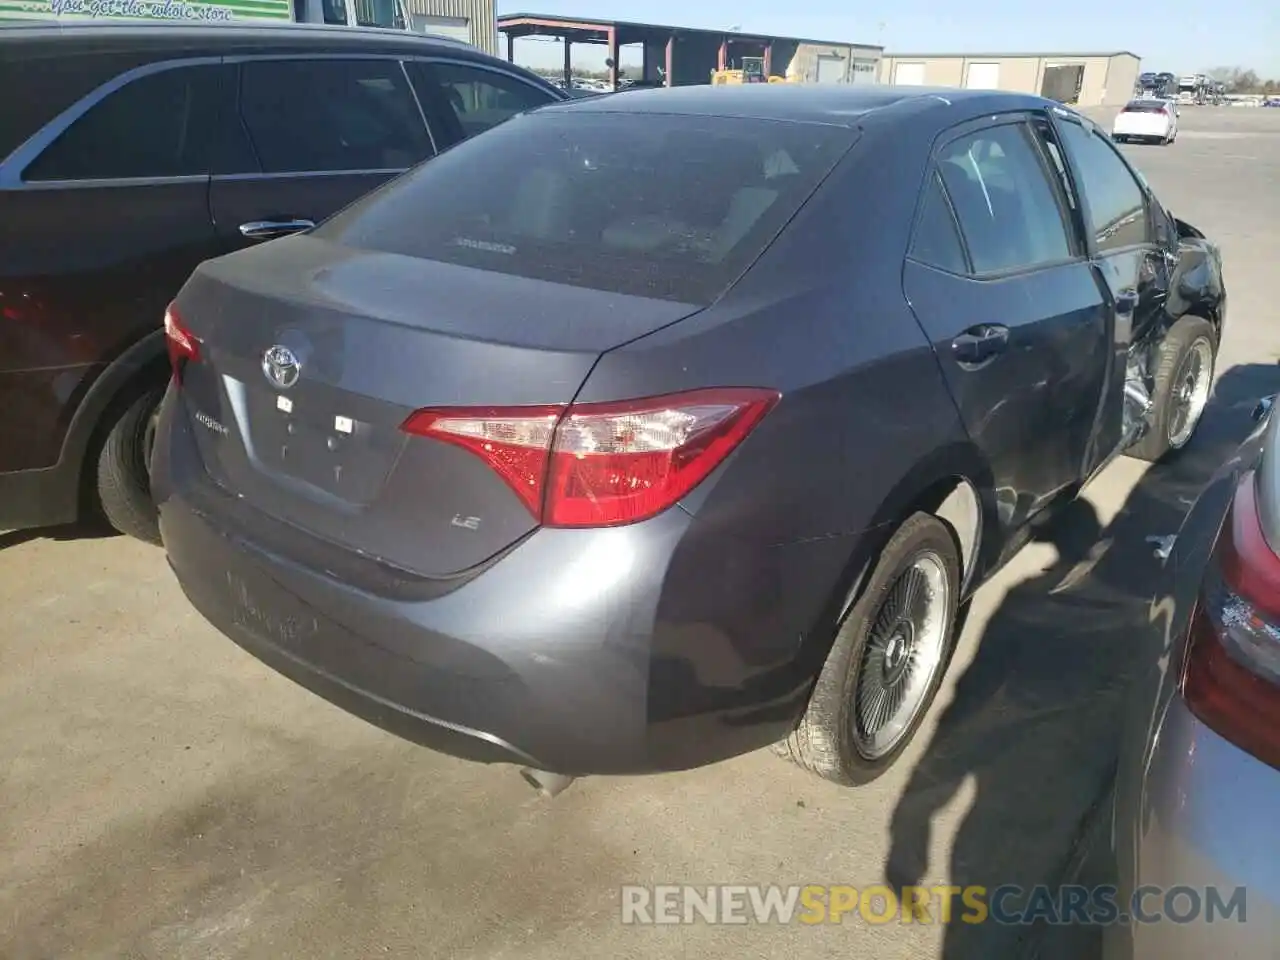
(457, 28)
(831, 70)
(983, 76)
(908, 74)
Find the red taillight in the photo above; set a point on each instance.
(603, 464)
(514, 441)
(1231, 679)
(183, 345)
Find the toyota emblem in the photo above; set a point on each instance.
(281, 366)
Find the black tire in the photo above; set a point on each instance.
(1174, 351)
(824, 742)
(123, 480)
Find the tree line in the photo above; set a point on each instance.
(1241, 80)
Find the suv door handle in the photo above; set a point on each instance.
(979, 344)
(267, 229)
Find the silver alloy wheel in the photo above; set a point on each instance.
(1190, 392)
(903, 653)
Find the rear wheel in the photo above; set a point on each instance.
(1183, 380)
(887, 660)
(123, 479)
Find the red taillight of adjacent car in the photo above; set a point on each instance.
(183, 345)
(603, 464)
(1231, 678)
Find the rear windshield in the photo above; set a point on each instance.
(1140, 106)
(663, 206)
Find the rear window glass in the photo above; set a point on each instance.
(670, 207)
(1141, 107)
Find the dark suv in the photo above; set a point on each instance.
(131, 153)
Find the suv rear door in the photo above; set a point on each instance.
(310, 135)
(314, 133)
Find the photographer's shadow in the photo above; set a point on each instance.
(1035, 717)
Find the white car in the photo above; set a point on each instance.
(1153, 121)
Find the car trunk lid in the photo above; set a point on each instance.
(313, 355)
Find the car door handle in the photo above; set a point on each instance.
(979, 344)
(267, 229)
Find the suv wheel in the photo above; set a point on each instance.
(123, 479)
(887, 660)
(1183, 381)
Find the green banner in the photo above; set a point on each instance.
(221, 11)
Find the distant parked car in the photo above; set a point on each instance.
(616, 441)
(1198, 783)
(1147, 120)
(130, 153)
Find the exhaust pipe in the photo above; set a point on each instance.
(548, 784)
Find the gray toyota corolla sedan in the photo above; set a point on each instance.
(639, 432)
(1198, 780)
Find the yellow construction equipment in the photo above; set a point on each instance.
(752, 71)
(719, 77)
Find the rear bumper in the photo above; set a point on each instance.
(1202, 817)
(657, 646)
(1141, 131)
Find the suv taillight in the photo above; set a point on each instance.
(184, 346)
(603, 464)
(1231, 679)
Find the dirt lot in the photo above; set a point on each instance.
(162, 795)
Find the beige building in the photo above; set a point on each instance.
(1083, 79)
(471, 21)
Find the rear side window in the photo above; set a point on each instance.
(937, 241)
(1004, 200)
(331, 115)
(155, 126)
(1117, 205)
(473, 100)
(664, 206)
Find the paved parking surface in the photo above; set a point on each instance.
(162, 795)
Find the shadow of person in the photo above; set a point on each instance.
(1034, 718)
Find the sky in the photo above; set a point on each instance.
(1181, 36)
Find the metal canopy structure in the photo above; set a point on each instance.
(660, 42)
